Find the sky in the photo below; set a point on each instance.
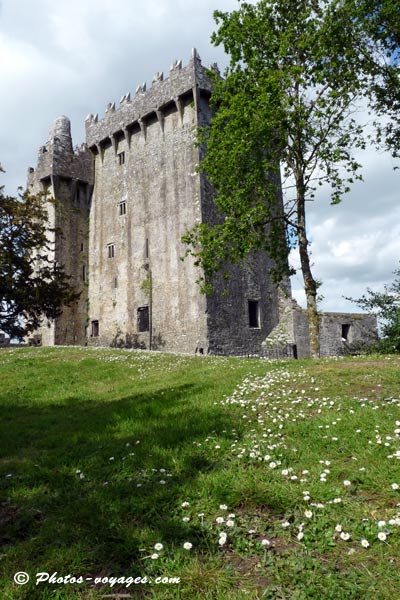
(72, 57)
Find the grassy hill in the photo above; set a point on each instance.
(241, 478)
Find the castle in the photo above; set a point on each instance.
(123, 200)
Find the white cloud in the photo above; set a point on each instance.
(24, 65)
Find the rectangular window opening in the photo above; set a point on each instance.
(95, 329)
(143, 319)
(346, 332)
(110, 250)
(147, 248)
(121, 158)
(82, 247)
(115, 282)
(122, 208)
(254, 314)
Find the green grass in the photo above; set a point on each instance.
(100, 448)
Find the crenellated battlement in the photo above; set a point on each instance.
(181, 86)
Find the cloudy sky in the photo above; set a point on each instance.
(72, 57)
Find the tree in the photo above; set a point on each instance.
(386, 305)
(286, 106)
(377, 35)
(32, 286)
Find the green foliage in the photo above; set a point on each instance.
(145, 286)
(32, 286)
(386, 305)
(377, 23)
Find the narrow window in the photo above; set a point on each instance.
(83, 272)
(146, 251)
(254, 314)
(110, 250)
(143, 318)
(345, 332)
(95, 329)
(122, 208)
(82, 247)
(121, 158)
(115, 282)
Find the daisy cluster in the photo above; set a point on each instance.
(141, 361)
(146, 361)
(221, 528)
(159, 547)
(225, 529)
(268, 407)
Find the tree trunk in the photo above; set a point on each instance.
(310, 285)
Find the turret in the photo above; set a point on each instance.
(67, 175)
(60, 135)
(58, 157)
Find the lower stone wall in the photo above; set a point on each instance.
(243, 309)
(340, 333)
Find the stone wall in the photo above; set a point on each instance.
(146, 196)
(231, 330)
(341, 332)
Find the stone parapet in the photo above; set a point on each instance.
(161, 94)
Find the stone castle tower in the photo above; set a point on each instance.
(122, 202)
(67, 176)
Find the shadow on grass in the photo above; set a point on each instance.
(105, 515)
